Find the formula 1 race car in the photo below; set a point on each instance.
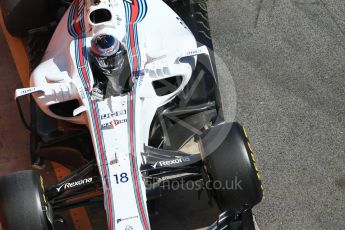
(125, 93)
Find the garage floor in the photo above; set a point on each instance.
(287, 61)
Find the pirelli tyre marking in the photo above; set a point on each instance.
(252, 156)
(43, 199)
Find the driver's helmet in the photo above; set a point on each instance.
(106, 52)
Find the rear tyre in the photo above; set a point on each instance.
(202, 87)
(22, 15)
(194, 14)
(22, 202)
(230, 166)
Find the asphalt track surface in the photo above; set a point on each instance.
(287, 61)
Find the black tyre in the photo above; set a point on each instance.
(230, 165)
(22, 203)
(203, 86)
(194, 14)
(22, 15)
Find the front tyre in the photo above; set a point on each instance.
(22, 202)
(231, 167)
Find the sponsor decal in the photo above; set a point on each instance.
(115, 114)
(75, 184)
(195, 52)
(29, 90)
(114, 123)
(26, 91)
(126, 218)
(171, 162)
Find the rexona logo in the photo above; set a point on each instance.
(75, 184)
(171, 162)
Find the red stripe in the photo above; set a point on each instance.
(134, 16)
(76, 17)
(103, 165)
(82, 64)
(78, 28)
(134, 163)
(134, 53)
(135, 12)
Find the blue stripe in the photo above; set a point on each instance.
(137, 48)
(129, 145)
(86, 66)
(105, 157)
(135, 151)
(142, 7)
(85, 55)
(129, 50)
(70, 22)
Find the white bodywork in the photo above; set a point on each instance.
(156, 38)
